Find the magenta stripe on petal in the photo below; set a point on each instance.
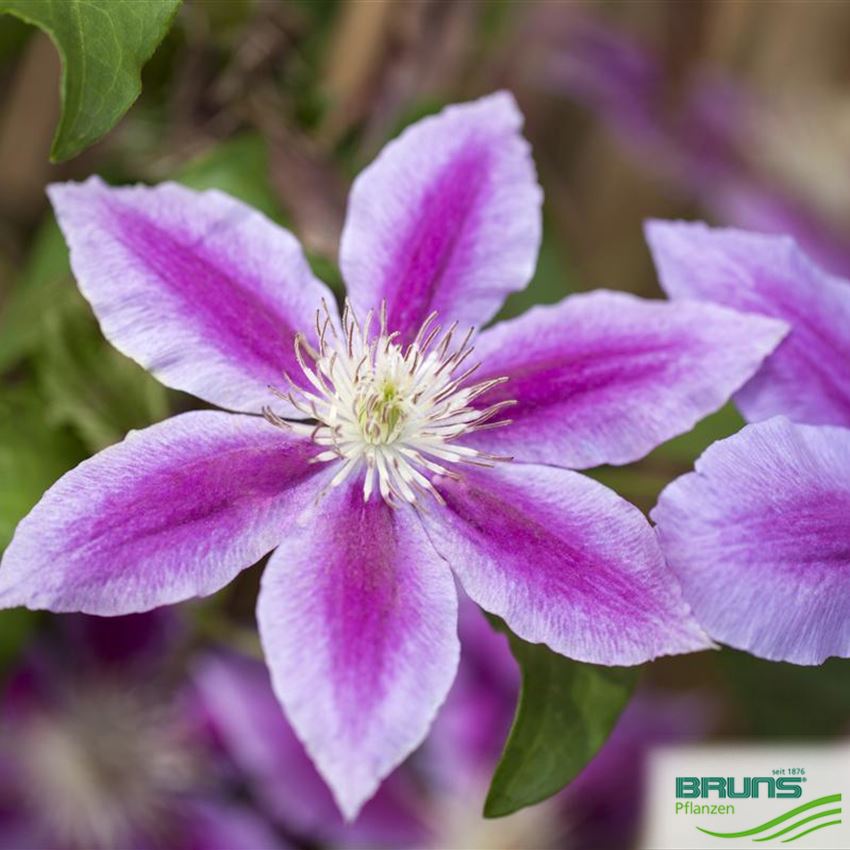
(807, 377)
(358, 618)
(565, 561)
(605, 377)
(173, 511)
(199, 288)
(759, 536)
(447, 218)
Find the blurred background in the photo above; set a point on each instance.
(160, 730)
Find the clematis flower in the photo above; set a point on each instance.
(699, 133)
(758, 534)
(377, 464)
(106, 752)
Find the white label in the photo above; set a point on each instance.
(744, 796)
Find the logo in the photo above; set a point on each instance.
(730, 786)
(810, 817)
(747, 796)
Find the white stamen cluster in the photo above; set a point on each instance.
(389, 410)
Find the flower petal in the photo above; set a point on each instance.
(358, 617)
(447, 218)
(758, 536)
(806, 378)
(605, 377)
(564, 561)
(200, 289)
(470, 731)
(237, 696)
(173, 511)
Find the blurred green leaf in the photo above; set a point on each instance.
(86, 383)
(551, 281)
(328, 272)
(239, 167)
(779, 699)
(642, 482)
(45, 284)
(566, 711)
(90, 386)
(33, 454)
(103, 45)
(688, 447)
(16, 626)
(13, 36)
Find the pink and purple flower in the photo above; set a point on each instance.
(759, 534)
(370, 450)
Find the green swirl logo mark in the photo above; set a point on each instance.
(817, 818)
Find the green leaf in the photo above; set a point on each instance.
(103, 45)
(641, 483)
(566, 711)
(33, 454)
(552, 280)
(239, 167)
(44, 284)
(779, 700)
(16, 627)
(90, 386)
(86, 383)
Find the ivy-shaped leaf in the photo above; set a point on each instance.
(566, 711)
(103, 45)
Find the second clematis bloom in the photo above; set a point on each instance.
(759, 534)
(370, 450)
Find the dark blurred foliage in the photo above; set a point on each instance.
(282, 102)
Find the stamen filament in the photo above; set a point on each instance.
(390, 413)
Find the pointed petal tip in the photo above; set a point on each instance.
(129, 530)
(666, 365)
(501, 101)
(62, 190)
(200, 289)
(446, 218)
(659, 227)
(363, 696)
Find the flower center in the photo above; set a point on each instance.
(391, 412)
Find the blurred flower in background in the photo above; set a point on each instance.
(709, 136)
(747, 157)
(103, 746)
